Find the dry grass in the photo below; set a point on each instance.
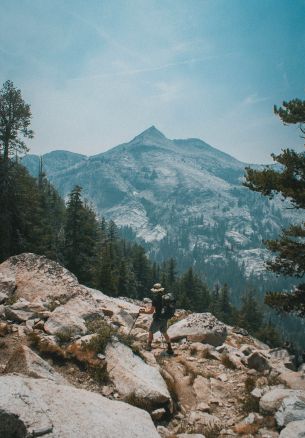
(45, 347)
(249, 384)
(227, 362)
(99, 375)
(246, 428)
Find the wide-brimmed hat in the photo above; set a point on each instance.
(157, 288)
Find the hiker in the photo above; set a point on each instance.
(162, 310)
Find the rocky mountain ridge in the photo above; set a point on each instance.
(182, 199)
(71, 367)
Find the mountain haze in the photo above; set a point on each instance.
(184, 198)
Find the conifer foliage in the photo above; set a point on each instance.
(15, 119)
(289, 182)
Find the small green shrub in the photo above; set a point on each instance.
(64, 336)
(96, 324)
(104, 335)
(12, 299)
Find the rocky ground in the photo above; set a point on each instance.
(69, 368)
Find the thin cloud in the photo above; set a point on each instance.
(253, 99)
(136, 71)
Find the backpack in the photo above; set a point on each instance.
(168, 306)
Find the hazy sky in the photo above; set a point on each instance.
(99, 72)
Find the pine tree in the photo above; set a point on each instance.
(15, 119)
(81, 237)
(289, 182)
(250, 314)
(225, 307)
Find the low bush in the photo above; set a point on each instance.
(104, 333)
(64, 336)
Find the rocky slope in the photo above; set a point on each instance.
(184, 198)
(69, 368)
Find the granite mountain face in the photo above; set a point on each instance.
(182, 198)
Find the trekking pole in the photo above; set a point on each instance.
(137, 316)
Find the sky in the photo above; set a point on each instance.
(97, 73)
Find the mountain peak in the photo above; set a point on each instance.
(151, 133)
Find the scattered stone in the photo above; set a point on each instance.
(17, 315)
(295, 429)
(4, 328)
(291, 409)
(257, 393)
(265, 433)
(246, 350)
(223, 377)
(163, 432)
(294, 380)
(204, 422)
(252, 372)
(190, 435)
(158, 414)
(202, 406)
(257, 361)
(3, 297)
(240, 331)
(272, 400)
(107, 391)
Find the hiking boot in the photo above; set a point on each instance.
(148, 347)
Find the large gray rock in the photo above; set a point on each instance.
(272, 400)
(72, 316)
(291, 409)
(134, 380)
(29, 407)
(293, 379)
(31, 276)
(257, 361)
(295, 429)
(25, 361)
(199, 327)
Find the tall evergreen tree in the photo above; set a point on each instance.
(289, 182)
(250, 314)
(81, 237)
(15, 119)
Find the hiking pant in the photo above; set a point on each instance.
(158, 325)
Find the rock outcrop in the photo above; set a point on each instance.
(199, 327)
(34, 407)
(134, 380)
(26, 362)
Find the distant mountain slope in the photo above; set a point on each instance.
(183, 197)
